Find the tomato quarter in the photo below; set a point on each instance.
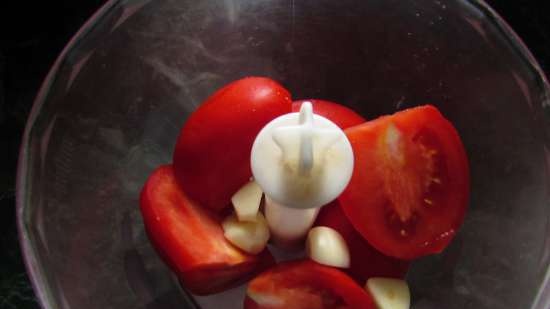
(365, 261)
(212, 154)
(191, 240)
(305, 285)
(410, 186)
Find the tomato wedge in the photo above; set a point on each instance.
(365, 261)
(342, 116)
(410, 186)
(212, 154)
(305, 285)
(191, 240)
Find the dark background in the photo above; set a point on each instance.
(31, 37)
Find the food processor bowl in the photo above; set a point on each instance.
(111, 108)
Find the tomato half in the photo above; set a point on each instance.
(410, 185)
(191, 240)
(305, 285)
(342, 116)
(365, 261)
(212, 154)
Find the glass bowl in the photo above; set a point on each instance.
(110, 110)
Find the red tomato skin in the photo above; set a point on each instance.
(316, 278)
(364, 199)
(212, 153)
(365, 261)
(190, 239)
(342, 116)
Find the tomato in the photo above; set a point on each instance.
(337, 113)
(191, 240)
(409, 190)
(305, 285)
(212, 153)
(366, 262)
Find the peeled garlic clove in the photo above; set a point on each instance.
(246, 201)
(251, 237)
(326, 246)
(389, 293)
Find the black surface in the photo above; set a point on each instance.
(30, 44)
(33, 34)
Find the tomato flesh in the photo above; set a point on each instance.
(342, 116)
(410, 186)
(212, 153)
(305, 285)
(365, 261)
(191, 240)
